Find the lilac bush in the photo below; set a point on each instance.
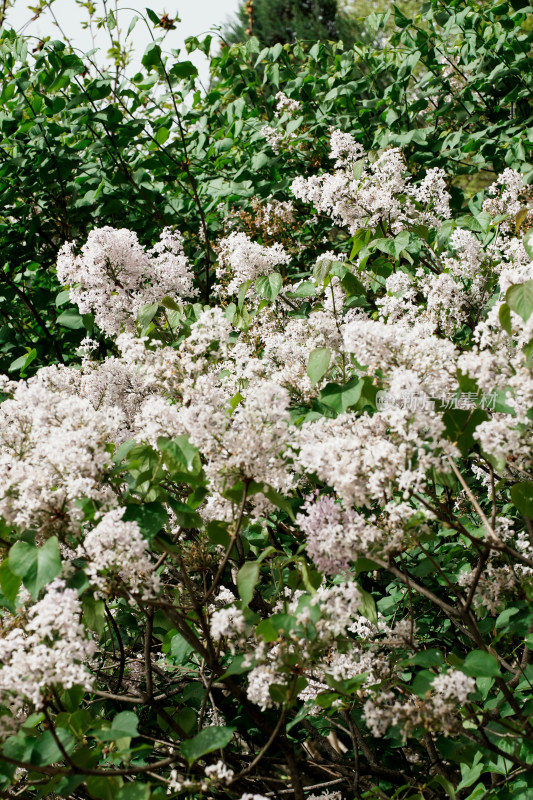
(282, 542)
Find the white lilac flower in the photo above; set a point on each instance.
(114, 276)
(50, 651)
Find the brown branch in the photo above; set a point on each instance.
(228, 552)
(147, 654)
(120, 643)
(165, 762)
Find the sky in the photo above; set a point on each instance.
(197, 17)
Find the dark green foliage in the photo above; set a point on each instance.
(77, 151)
(287, 21)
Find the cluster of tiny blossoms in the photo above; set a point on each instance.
(243, 260)
(436, 712)
(363, 193)
(50, 650)
(116, 549)
(114, 276)
(53, 451)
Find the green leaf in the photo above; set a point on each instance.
(186, 718)
(367, 606)
(180, 648)
(183, 70)
(520, 298)
(124, 726)
(278, 500)
(180, 455)
(103, 788)
(504, 315)
(247, 578)
(9, 581)
(446, 785)
(470, 774)
(217, 532)
(126, 721)
(237, 667)
(422, 682)
(318, 364)
(322, 269)
(94, 614)
(146, 315)
(19, 747)
(36, 566)
(461, 425)
(326, 700)
(23, 362)
(186, 516)
(71, 318)
(357, 168)
(259, 160)
(485, 220)
(470, 223)
(133, 23)
(478, 663)
(302, 713)
(152, 54)
(88, 323)
(63, 297)
(269, 286)
(360, 239)
(161, 135)
(341, 397)
(305, 289)
(243, 289)
(427, 658)
(150, 517)
(46, 750)
(310, 577)
(365, 565)
(235, 400)
(214, 737)
(293, 125)
(352, 285)
(266, 630)
(134, 791)
(393, 246)
(170, 303)
(527, 241)
(241, 319)
(504, 618)
(522, 497)
(67, 786)
(223, 145)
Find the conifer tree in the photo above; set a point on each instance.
(285, 21)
